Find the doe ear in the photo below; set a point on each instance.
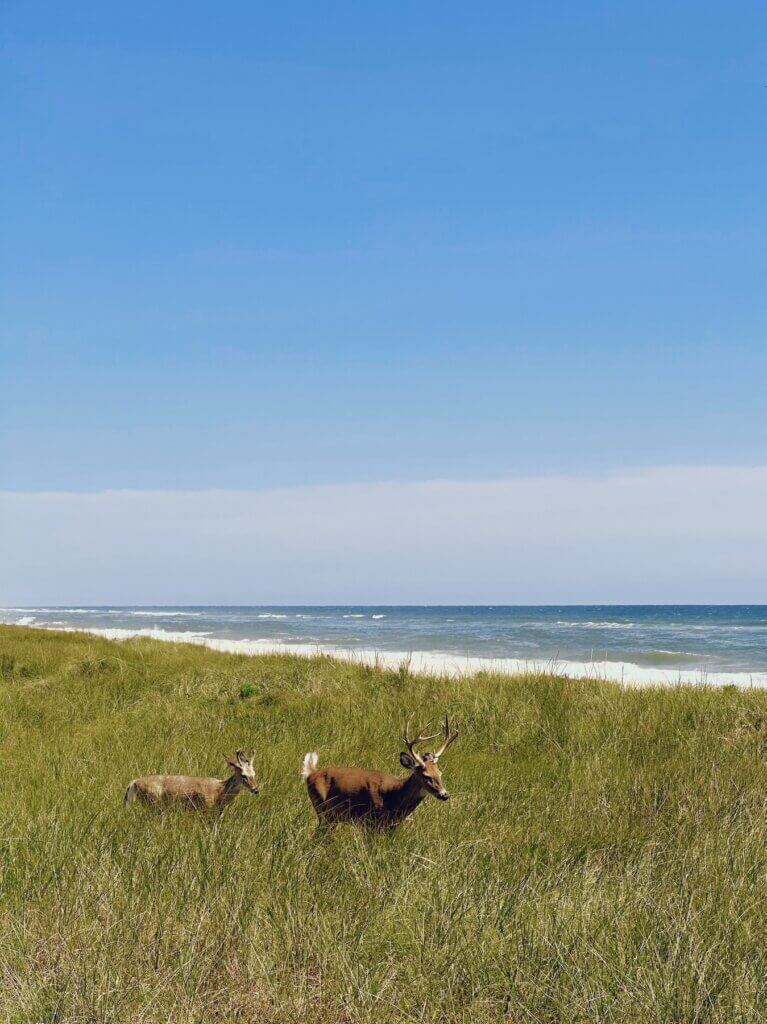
(231, 763)
(408, 761)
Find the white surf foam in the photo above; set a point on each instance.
(87, 611)
(186, 636)
(597, 625)
(167, 615)
(440, 663)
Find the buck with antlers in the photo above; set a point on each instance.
(193, 791)
(377, 798)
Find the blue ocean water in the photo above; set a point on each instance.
(705, 638)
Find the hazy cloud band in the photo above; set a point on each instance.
(655, 535)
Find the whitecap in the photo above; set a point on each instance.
(594, 625)
(164, 615)
(186, 636)
(84, 611)
(678, 654)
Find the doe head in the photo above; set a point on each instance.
(425, 766)
(242, 766)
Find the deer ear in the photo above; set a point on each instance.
(408, 761)
(231, 763)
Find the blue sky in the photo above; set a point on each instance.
(259, 256)
(262, 245)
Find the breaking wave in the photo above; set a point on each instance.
(439, 663)
(167, 615)
(597, 625)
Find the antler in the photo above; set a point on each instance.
(419, 739)
(449, 738)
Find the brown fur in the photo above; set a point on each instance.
(371, 797)
(194, 792)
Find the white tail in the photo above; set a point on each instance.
(130, 793)
(310, 764)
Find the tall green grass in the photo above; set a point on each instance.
(603, 857)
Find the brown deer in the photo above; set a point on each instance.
(192, 791)
(377, 798)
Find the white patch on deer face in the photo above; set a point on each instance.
(431, 779)
(248, 773)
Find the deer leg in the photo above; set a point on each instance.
(323, 830)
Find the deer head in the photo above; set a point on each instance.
(425, 767)
(242, 766)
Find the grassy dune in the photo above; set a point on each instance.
(603, 857)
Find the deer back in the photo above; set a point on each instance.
(194, 791)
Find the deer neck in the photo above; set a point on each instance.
(229, 789)
(410, 795)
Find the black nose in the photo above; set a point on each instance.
(444, 796)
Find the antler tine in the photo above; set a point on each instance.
(449, 738)
(410, 743)
(419, 739)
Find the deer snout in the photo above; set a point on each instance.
(443, 795)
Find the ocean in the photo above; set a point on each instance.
(717, 644)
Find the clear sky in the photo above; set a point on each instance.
(251, 246)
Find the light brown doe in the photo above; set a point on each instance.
(195, 792)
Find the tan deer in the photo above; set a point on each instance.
(197, 793)
(377, 798)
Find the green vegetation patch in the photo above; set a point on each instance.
(602, 858)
